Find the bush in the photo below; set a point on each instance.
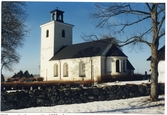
(16, 79)
(40, 78)
(10, 80)
(125, 77)
(22, 79)
(33, 79)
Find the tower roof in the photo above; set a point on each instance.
(56, 10)
(57, 15)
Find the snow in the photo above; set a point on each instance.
(161, 72)
(123, 83)
(137, 105)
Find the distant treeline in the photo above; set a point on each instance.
(21, 77)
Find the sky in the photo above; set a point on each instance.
(77, 14)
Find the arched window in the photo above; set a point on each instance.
(47, 33)
(117, 65)
(109, 65)
(60, 17)
(82, 69)
(55, 70)
(53, 16)
(63, 33)
(65, 70)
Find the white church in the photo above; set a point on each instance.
(62, 60)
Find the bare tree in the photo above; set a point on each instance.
(120, 16)
(13, 32)
(93, 37)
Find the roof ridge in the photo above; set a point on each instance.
(99, 40)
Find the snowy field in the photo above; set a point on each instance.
(123, 83)
(139, 105)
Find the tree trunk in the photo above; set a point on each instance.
(154, 56)
(154, 74)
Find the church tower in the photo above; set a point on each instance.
(54, 35)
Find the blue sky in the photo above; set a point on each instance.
(77, 14)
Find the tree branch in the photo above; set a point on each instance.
(89, 37)
(160, 25)
(132, 23)
(136, 39)
(113, 10)
(148, 7)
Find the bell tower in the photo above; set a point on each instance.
(57, 15)
(54, 35)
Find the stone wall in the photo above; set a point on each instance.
(51, 96)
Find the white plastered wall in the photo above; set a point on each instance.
(91, 73)
(51, 44)
(47, 47)
(161, 72)
(60, 41)
(111, 65)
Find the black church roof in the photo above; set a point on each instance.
(115, 51)
(129, 65)
(88, 49)
(161, 54)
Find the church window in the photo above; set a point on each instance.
(109, 65)
(55, 70)
(63, 33)
(65, 70)
(117, 65)
(82, 69)
(47, 33)
(53, 16)
(60, 17)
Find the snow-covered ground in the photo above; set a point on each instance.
(123, 83)
(138, 105)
